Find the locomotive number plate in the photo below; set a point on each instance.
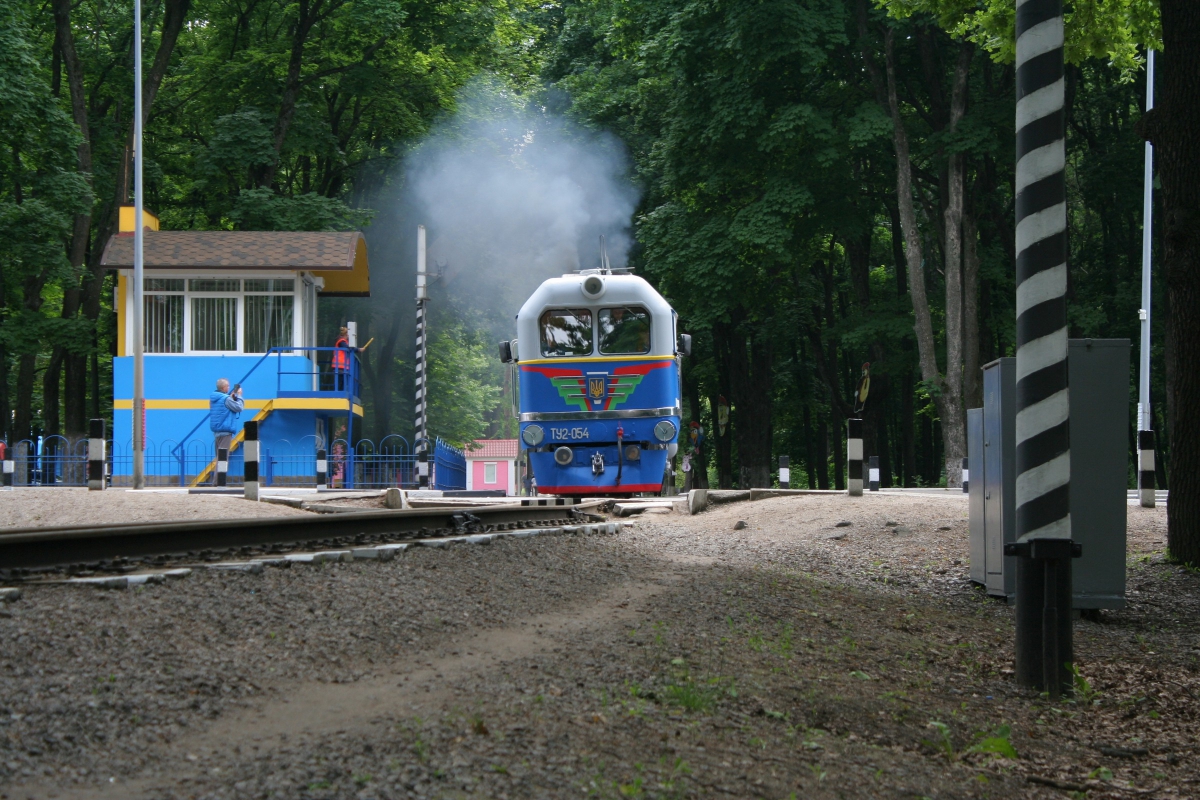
(562, 434)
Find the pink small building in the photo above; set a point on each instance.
(492, 464)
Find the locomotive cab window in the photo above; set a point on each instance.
(624, 330)
(566, 332)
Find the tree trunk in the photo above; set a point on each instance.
(951, 408)
(908, 439)
(972, 377)
(749, 364)
(822, 465)
(1172, 127)
(810, 450)
(836, 443)
(721, 444)
(75, 363)
(949, 396)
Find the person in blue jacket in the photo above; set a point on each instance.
(224, 407)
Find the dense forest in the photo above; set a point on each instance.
(824, 185)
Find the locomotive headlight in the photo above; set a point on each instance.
(563, 456)
(593, 287)
(533, 435)
(664, 431)
(632, 452)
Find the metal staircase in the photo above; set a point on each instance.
(262, 414)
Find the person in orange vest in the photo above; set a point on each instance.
(341, 359)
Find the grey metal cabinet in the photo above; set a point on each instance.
(975, 496)
(1099, 380)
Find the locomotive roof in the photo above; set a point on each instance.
(567, 291)
(619, 290)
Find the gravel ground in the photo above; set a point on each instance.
(38, 507)
(681, 658)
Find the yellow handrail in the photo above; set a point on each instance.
(233, 445)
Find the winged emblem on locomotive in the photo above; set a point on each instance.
(595, 391)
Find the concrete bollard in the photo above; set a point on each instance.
(966, 476)
(250, 456)
(1146, 468)
(322, 469)
(785, 472)
(96, 458)
(394, 498)
(222, 466)
(854, 458)
(873, 477)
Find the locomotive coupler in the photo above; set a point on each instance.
(597, 463)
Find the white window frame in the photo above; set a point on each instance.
(492, 465)
(300, 280)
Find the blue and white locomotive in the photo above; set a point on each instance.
(600, 394)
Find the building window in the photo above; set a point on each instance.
(268, 316)
(214, 323)
(162, 315)
(224, 315)
(489, 472)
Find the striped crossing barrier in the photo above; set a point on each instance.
(785, 472)
(873, 474)
(966, 476)
(854, 458)
(222, 466)
(322, 470)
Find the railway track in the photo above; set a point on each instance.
(115, 547)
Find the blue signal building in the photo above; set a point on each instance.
(240, 305)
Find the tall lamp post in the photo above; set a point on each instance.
(1146, 447)
(139, 398)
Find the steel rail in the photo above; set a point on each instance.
(34, 548)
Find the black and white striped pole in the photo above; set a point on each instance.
(222, 466)
(854, 458)
(420, 437)
(10, 469)
(322, 470)
(1044, 648)
(96, 457)
(966, 477)
(785, 472)
(873, 474)
(1145, 423)
(250, 456)
(1146, 468)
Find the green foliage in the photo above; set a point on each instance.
(996, 743)
(461, 389)
(1116, 30)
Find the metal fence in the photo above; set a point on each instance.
(56, 461)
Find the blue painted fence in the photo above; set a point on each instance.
(54, 461)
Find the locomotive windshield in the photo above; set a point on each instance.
(624, 330)
(566, 332)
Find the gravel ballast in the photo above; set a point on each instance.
(679, 658)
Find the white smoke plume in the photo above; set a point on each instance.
(510, 198)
